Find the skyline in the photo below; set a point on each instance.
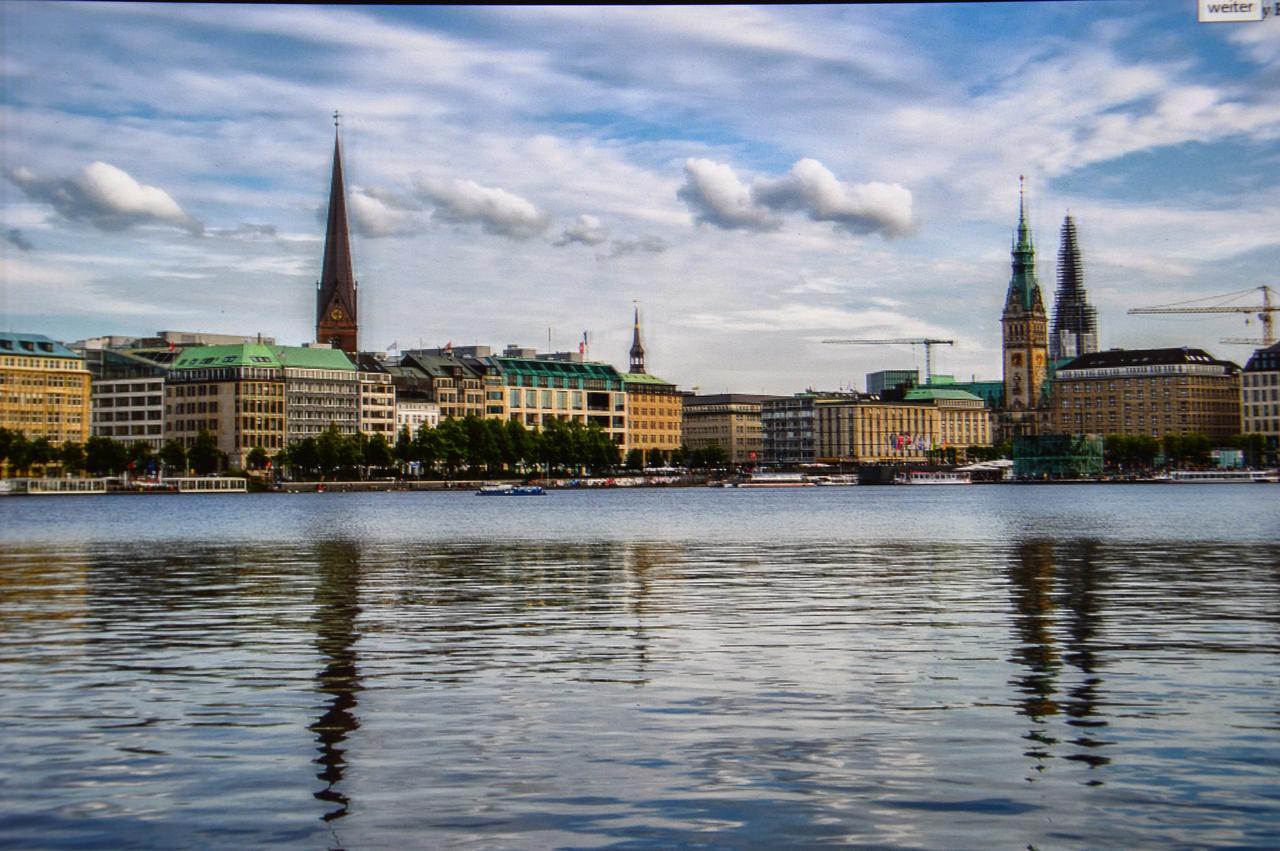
(513, 170)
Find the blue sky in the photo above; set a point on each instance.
(758, 178)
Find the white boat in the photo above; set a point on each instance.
(933, 477)
(510, 490)
(841, 480)
(776, 480)
(1223, 477)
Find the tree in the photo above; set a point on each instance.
(173, 455)
(519, 449)
(140, 456)
(426, 447)
(451, 444)
(72, 457)
(404, 447)
(257, 458)
(205, 456)
(377, 454)
(481, 449)
(1253, 446)
(304, 457)
(105, 457)
(635, 459)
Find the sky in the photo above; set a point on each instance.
(756, 179)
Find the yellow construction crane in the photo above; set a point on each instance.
(927, 343)
(1263, 311)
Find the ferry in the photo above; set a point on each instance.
(776, 480)
(208, 484)
(1223, 477)
(928, 477)
(840, 480)
(46, 487)
(510, 490)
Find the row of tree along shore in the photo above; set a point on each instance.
(475, 448)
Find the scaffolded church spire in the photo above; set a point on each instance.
(336, 304)
(1075, 321)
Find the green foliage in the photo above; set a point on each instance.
(71, 455)
(104, 457)
(173, 455)
(1130, 450)
(1187, 449)
(257, 458)
(205, 456)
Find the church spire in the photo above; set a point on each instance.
(1075, 321)
(637, 349)
(1024, 289)
(336, 317)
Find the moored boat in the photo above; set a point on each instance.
(933, 477)
(510, 490)
(1223, 477)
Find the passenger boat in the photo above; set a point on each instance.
(839, 480)
(510, 490)
(1223, 477)
(776, 480)
(933, 477)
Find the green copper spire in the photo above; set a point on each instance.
(1024, 289)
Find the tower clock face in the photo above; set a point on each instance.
(1016, 359)
(336, 314)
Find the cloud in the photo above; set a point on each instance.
(17, 240)
(883, 208)
(378, 214)
(641, 245)
(497, 211)
(586, 231)
(247, 231)
(105, 197)
(716, 196)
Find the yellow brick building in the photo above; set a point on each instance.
(655, 414)
(44, 389)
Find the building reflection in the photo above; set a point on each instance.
(337, 598)
(1055, 598)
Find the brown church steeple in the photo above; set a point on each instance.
(336, 308)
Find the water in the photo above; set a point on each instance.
(1056, 666)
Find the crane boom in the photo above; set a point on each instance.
(928, 344)
(1264, 312)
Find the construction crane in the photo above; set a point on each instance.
(1263, 311)
(927, 343)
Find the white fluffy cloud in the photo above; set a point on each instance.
(496, 210)
(587, 230)
(715, 195)
(105, 196)
(374, 214)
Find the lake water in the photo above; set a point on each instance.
(980, 667)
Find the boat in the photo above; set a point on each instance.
(933, 477)
(776, 480)
(839, 480)
(510, 490)
(1223, 477)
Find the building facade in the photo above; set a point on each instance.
(888, 379)
(236, 393)
(654, 415)
(377, 399)
(539, 389)
(866, 429)
(1146, 391)
(789, 426)
(127, 403)
(1260, 399)
(459, 383)
(44, 389)
(414, 410)
(322, 389)
(731, 421)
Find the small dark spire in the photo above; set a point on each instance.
(336, 308)
(637, 349)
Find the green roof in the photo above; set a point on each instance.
(643, 378)
(305, 357)
(34, 344)
(213, 357)
(933, 394)
(556, 368)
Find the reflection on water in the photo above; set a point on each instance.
(1048, 583)
(337, 607)
(524, 692)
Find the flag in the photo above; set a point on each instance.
(448, 347)
(394, 347)
(171, 346)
